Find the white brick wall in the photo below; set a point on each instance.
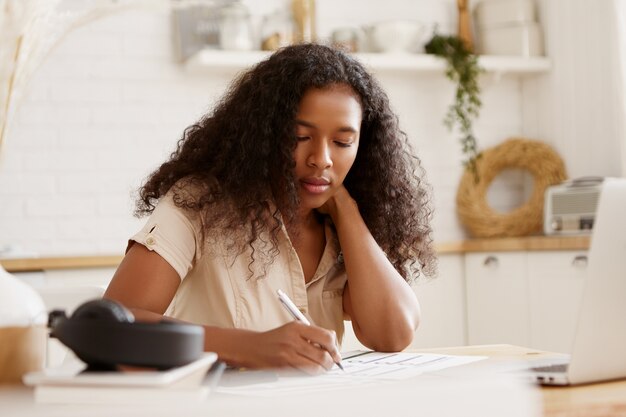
(110, 103)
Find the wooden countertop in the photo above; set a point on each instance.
(530, 243)
(60, 262)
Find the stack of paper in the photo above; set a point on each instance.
(361, 369)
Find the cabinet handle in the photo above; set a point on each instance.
(580, 261)
(491, 261)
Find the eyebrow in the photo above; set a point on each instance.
(311, 125)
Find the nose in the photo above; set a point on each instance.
(319, 155)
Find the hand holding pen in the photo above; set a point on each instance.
(298, 316)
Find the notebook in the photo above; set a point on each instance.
(598, 351)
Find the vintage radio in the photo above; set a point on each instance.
(570, 207)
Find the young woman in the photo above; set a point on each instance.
(299, 180)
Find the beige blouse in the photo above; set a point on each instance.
(217, 289)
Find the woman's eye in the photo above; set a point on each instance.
(343, 144)
(302, 138)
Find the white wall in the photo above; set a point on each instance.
(110, 103)
(579, 106)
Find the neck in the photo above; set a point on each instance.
(303, 219)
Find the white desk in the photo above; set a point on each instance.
(437, 394)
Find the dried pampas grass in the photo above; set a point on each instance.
(29, 30)
(25, 37)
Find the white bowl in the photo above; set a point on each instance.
(396, 36)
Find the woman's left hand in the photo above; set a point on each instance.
(341, 197)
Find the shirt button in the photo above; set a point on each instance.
(150, 241)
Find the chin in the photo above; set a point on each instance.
(313, 203)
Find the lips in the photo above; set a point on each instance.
(315, 185)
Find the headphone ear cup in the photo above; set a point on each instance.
(104, 309)
(103, 334)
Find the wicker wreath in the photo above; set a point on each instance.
(481, 220)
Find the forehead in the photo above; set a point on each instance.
(335, 102)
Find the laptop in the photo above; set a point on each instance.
(599, 348)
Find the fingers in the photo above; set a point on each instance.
(316, 355)
(310, 349)
(315, 349)
(325, 339)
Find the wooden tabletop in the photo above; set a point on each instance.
(606, 399)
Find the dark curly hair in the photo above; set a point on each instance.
(238, 160)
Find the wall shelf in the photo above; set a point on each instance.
(378, 62)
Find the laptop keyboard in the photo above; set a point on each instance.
(561, 367)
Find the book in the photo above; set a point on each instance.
(70, 384)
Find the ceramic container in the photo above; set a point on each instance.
(349, 39)
(23, 329)
(520, 40)
(492, 13)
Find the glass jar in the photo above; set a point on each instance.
(276, 31)
(235, 28)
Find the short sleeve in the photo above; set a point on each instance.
(172, 234)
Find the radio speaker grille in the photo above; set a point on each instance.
(575, 203)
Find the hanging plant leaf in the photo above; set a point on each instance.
(463, 69)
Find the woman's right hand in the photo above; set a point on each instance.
(310, 349)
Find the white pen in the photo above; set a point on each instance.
(297, 314)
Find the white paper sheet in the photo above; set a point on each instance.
(396, 366)
(361, 369)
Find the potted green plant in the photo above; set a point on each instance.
(463, 69)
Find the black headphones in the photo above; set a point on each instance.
(103, 334)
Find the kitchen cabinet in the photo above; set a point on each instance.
(524, 297)
(497, 298)
(442, 303)
(555, 290)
